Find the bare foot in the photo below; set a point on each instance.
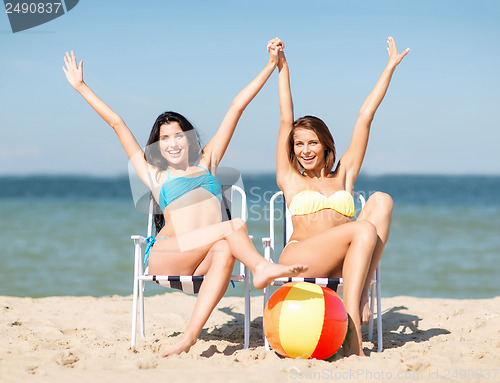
(182, 345)
(352, 343)
(364, 310)
(266, 272)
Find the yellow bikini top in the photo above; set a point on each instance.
(310, 201)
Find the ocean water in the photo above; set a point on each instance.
(71, 235)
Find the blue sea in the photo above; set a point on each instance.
(70, 235)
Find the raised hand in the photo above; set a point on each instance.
(394, 57)
(73, 72)
(274, 47)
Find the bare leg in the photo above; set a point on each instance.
(378, 211)
(350, 257)
(217, 267)
(236, 234)
(354, 273)
(210, 251)
(178, 256)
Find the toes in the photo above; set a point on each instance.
(300, 268)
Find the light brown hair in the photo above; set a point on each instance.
(325, 137)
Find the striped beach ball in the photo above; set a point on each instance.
(304, 320)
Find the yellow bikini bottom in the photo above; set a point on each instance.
(289, 242)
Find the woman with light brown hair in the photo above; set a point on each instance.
(319, 198)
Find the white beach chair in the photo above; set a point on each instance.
(332, 283)
(187, 283)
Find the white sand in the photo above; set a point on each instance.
(85, 339)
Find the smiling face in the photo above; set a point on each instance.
(308, 149)
(310, 146)
(174, 144)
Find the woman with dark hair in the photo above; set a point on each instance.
(181, 177)
(321, 203)
(154, 157)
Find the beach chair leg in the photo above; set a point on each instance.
(247, 308)
(136, 289)
(134, 310)
(141, 307)
(267, 295)
(372, 307)
(379, 311)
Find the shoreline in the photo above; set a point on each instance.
(80, 338)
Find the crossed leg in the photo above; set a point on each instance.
(212, 251)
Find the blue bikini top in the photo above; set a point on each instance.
(176, 187)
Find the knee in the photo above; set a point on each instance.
(238, 223)
(221, 248)
(233, 225)
(366, 232)
(221, 253)
(383, 202)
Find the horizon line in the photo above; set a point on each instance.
(243, 173)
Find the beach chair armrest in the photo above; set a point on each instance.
(138, 239)
(139, 242)
(268, 251)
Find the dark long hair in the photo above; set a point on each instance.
(153, 155)
(325, 137)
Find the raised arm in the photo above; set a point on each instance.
(352, 160)
(74, 75)
(216, 147)
(283, 167)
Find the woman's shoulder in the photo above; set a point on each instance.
(338, 179)
(290, 179)
(339, 171)
(206, 163)
(156, 176)
(294, 185)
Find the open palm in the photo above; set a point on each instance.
(73, 72)
(394, 57)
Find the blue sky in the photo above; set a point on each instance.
(142, 58)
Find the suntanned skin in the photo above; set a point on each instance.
(354, 247)
(195, 246)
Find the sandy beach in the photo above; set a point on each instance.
(82, 339)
